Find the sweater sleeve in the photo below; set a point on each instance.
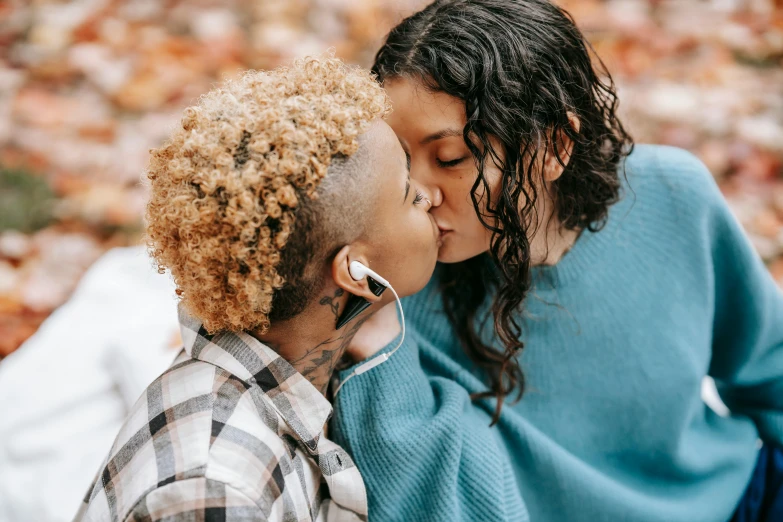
(747, 359)
(425, 450)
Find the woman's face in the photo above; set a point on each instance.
(402, 235)
(429, 126)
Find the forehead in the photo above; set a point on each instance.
(418, 109)
(379, 139)
(384, 154)
(380, 145)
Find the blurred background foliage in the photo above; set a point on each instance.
(87, 87)
(26, 201)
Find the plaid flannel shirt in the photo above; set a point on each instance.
(229, 432)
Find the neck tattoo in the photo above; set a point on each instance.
(333, 302)
(318, 363)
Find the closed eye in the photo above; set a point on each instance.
(419, 198)
(452, 163)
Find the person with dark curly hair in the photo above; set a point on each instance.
(620, 271)
(262, 201)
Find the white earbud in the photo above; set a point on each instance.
(358, 272)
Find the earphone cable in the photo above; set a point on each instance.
(372, 363)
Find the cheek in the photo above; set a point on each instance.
(463, 213)
(416, 238)
(414, 254)
(456, 194)
(427, 234)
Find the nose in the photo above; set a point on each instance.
(427, 205)
(432, 194)
(426, 181)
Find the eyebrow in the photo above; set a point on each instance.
(407, 154)
(446, 133)
(408, 165)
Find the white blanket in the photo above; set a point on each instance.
(65, 393)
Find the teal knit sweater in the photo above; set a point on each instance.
(618, 336)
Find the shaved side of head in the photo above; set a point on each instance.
(338, 216)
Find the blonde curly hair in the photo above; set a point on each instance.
(227, 187)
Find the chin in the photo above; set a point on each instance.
(447, 257)
(416, 288)
(423, 278)
(448, 254)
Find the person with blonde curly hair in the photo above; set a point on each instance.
(260, 201)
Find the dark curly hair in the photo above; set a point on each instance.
(521, 67)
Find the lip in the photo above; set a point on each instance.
(442, 232)
(437, 231)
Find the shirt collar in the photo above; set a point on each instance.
(295, 399)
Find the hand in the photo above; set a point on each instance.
(376, 332)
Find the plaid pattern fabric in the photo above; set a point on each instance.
(229, 432)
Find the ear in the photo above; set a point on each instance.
(553, 169)
(342, 276)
